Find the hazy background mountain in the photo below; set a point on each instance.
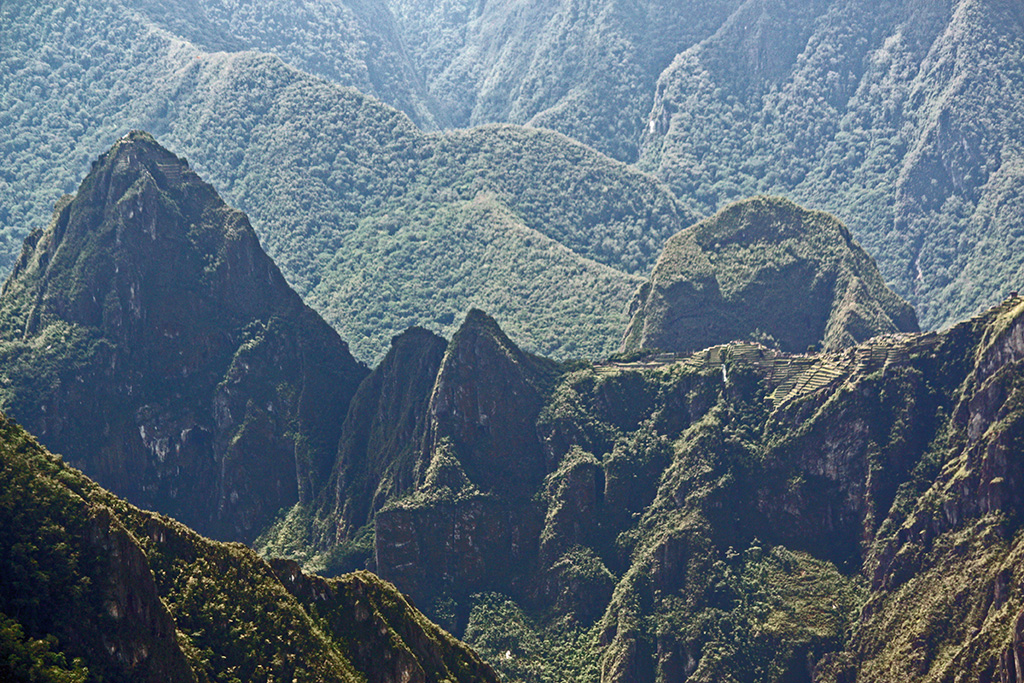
(350, 42)
(902, 118)
(376, 224)
(585, 69)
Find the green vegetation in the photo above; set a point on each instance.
(25, 660)
(737, 514)
(900, 118)
(766, 270)
(588, 72)
(378, 225)
(352, 44)
(94, 589)
(521, 650)
(845, 107)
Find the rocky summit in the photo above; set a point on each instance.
(768, 270)
(148, 339)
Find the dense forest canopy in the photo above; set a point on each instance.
(899, 117)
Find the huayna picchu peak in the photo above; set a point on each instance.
(764, 269)
(149, 340)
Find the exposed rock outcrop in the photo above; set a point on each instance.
(471, 517)
(151, 341)
(380, 454)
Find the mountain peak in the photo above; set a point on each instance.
(769, 270)
(164, 353)
(486, 389)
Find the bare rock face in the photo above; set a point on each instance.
(379, 455)
(767, 270)
(137, 633)
(152, 342)
(471, 517)
(470, 542)
(486, 400)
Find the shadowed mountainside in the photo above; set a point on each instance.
(148, 338)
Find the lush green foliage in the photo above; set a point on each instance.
(902, 118)
(586, 71)
(847, 107)
(378, 225)
(354, 44)
(24, 660)
(521, 649)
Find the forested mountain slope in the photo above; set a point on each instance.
(377, 224)
(768, 270)
(147, 337)
(899, 117)
(92, 588)
(585, 69)
(902, 118)
(349, 42)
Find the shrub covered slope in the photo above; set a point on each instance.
(902, 118)
(92, 589)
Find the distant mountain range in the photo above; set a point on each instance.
(901, 118)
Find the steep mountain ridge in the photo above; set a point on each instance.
(587, 71)
(440, 426)
(768, 270)
(125, 595)
(351, 43)
(738, 512)
(148, 338)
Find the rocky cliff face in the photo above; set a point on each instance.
(737, 513)
(764, 269)
(149, 339)
(127, 595)
(380, 452)
(487, 394)
(470, 515)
